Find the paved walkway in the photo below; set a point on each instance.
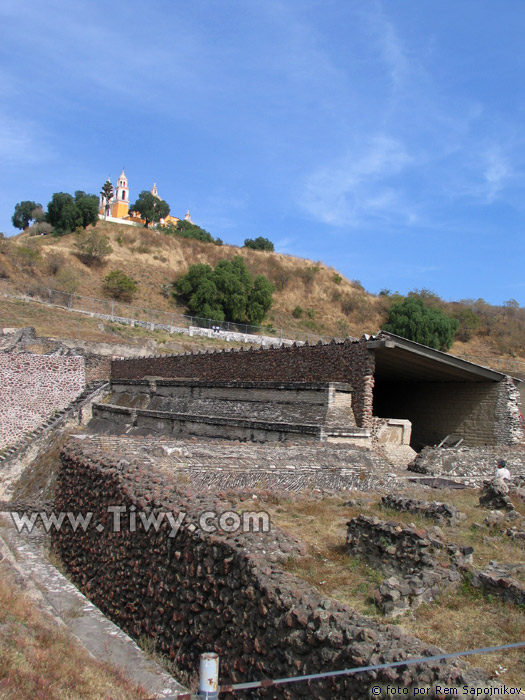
(102, 639)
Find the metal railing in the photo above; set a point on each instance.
(209, 674)
(133, 314)
(175, 322)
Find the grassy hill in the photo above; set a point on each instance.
(309, 296)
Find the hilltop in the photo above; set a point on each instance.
(309, 296)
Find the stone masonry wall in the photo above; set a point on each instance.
(509, 428)
(219, 592)
(437, 410)
(32, 387)
(349, 362)
(98, 367)
(318, 403)
(475, 462)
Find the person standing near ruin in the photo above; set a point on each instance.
(501, 470)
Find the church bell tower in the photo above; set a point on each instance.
(120, 207)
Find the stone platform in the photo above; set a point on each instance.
(219, 465)
(234, 410)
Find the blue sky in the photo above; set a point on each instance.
(385, 138)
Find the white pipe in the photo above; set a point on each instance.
(209, 676)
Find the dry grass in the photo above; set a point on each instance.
(339, 306)
(41, 661)
(462, 618)
(61, 324)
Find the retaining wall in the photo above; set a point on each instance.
(322, 403)
(32, 388)
(222, 592)
(349, 362)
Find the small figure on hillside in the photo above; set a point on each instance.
(501, 470)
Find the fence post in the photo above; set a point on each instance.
(112, 310)
(209, 676)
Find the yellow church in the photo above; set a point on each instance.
(118, 210)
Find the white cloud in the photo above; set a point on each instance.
(391, 49)
(349, 190)
(497, 173)
(21, 143)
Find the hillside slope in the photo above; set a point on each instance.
(309, 296)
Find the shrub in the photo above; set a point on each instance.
(310, 312)
(227, 292)
(337, 279)
(119, 286)
(66, 280)
(26, 257)
(259, 243)
(469, 323)
(277, 273)
(54, 261)
(413, 320)
(40, 228)
(92, 247)
(356, 305)
(298, 312)
(186, 229)
(308, 274)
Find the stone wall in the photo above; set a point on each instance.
(219, 592)
(33, 387)
(253, 411)
(498, 579)
(477, 463)
(438, 409)
(314, 403)
(419, 564)
(509, 428)
(349, 362)
(442, 513)
(390, 545)
(98, 367)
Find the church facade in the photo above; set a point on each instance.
(118, 207)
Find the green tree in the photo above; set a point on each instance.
(24, 213)
(87, 205)
(107, 193)
(63, 213)
(258, 243)
(260, 299)
(469, 323)
(119, 285)
(92, 247)
(227, 292)
(151, 208)
(187, 229)
(413, 320)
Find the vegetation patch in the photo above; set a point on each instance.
(40, 660)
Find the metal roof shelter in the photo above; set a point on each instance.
(399, 359)
(440, 393)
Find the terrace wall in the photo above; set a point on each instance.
(218, 592)
(349, 362)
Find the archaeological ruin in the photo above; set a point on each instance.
(384, 388)
(183, 434)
